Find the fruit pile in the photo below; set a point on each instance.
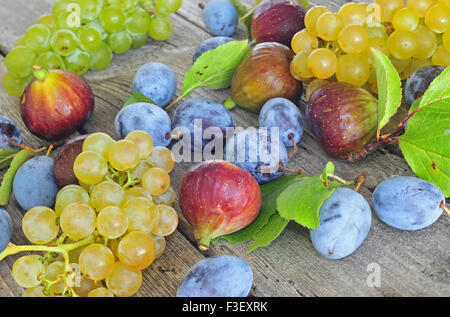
(83, 34)
(338, 44)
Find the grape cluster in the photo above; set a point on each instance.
(109, 228)
(86, 39)
(337, 46)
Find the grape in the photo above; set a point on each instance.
(138, 23)
(6, 228)
(446, 41)
(53, 272)
(415, 65)
(27, 271)
(161, 28)
(78, 62)
(100, 292)
(427, 43)
(90, 167)
(168, 221)
(123, 4)
(142, 214)
(441, 57)
(139, 170)
(304, 40)
(69, 187)
(160, 245)
(163, 158)
(311, 18)
(322, 63)
(60, 6)
(378, 43)
(220, 17)
(74, 255)
(137, 41)
(407, 203)
(167, 6)
(37, 291)
(65, 21)
(112, 19)
(98, 142)
(402, 44)
(39, 225)
(136, 192)
(14, 85)
(143, 141)
(156, 181)
(96, 262)
(64, 42)
(20, 41)
(50, 60)
(38, 37)
(313, 86)
(220, 276)
(49, 21)
(123, 155)
(136, 251)
(96, 25)
(20, 61)
(299, 66)
(101, 59)
(90, 9)
(353, 39)
(124, 282)
(388, 8)
(405, 19)
(168, 198)
(210, 44)
(353, 13)
(106, 194)
(401, 65)
(372, 81)
(345, 220)
(90, 38)
(445, 2)
(69, 196)
(86, 286)
(119, 42)
(328, 26)
(112, 222)
(34, 184)
(420, 6)
(438, 18)
(77, 221)
(353, 69)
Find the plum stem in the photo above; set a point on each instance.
(443, 206)
(359, 181)
(291, 137)
(25, 147)
(176, 136)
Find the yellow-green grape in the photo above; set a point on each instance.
(156, 181)
(101, 59)
(139, 170)
(144, 142)
(405, 19)
(168, 198)
(60, 6)
(68, 197)
(353, 69)
(401, 64)
(167, 6)
(420, 6)
(86, 285)
(402, 44)
(15, 86)
(123, 155)
(378, 43)
(388, 8)
(441, 57)
(311, 88)
(49, 21)
(38, 38)
(124, 282)
(20, 61)
(112, 19)
(142, 215)
(299, 68)
(20, 41)
(161, 28)
(106, 194)
(96, 262)
(112, 222)
(311, 18)
(163, 158)
(304, 40)
(168, 221)
(68, 187)
(37, 291)
(353, 39)
(27, 271)
(160, 246)
(90, 9)
(136, 251)
(55, 271)
(322, 63)
(74, 255)
(372, 81)
(100, 292)
(328, 26)
(113, 245)
(354, 13)
(136, 192)
(98, 142)
(78, 221)
(415, 65)
(446, 41)
(438, 18)
(87, 187)
(39, 225)
(445, 2)
(427, 43)
(90, 167)
(50, 60)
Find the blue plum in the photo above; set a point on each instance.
(255, 151)
(210, 44)
(220, 17)
(407, 203)
(6, 228)
(419, 81)
(212, 114)
(283, 114)
(345, 221)
(220, 276)
(156, 81)
(34, 184)
(147, 117)
(9, 131)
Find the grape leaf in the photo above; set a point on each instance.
(6, 186)
(138, 97)
(269, 232)
(426, 142)
(389, 88)
(6, 156)
(304, 3)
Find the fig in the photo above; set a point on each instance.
(343, 117)
(64, 159)
(56, 103)
(218, 198)
(265, 74)
(277, 21)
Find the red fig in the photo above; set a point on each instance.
(343, 117)
(218, 198)
(66, 155)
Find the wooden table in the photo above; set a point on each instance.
(411, 263)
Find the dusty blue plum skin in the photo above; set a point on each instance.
(212, 114)
(407, 203)
(345, 220)
(146, 117)
(210, 44)
(283, 114)
(419, 81)
(9, 131)
(156, 81)
(220, 17)
(34, 184)
(234, 150)
(220, 276)
(6, 229)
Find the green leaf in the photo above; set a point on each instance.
(240, 8)
(304, 3)
(269, 232)
(426, 142)
(329, 170)
(138, 97)
(6, 186)
(6, 156)
(389, 88)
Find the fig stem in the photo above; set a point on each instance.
(443, 206)
(291, 137)
(203, 244)
(39, 73)
(229, 103)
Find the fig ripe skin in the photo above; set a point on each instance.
(218, 198)
(343, 117)
(57, 105)
(64, 159)
(265, 74)
(277, 21)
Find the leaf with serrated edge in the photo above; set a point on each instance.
(269, 232)
(6, 186)
(6, 156)
(329, 170)
(138, 97)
